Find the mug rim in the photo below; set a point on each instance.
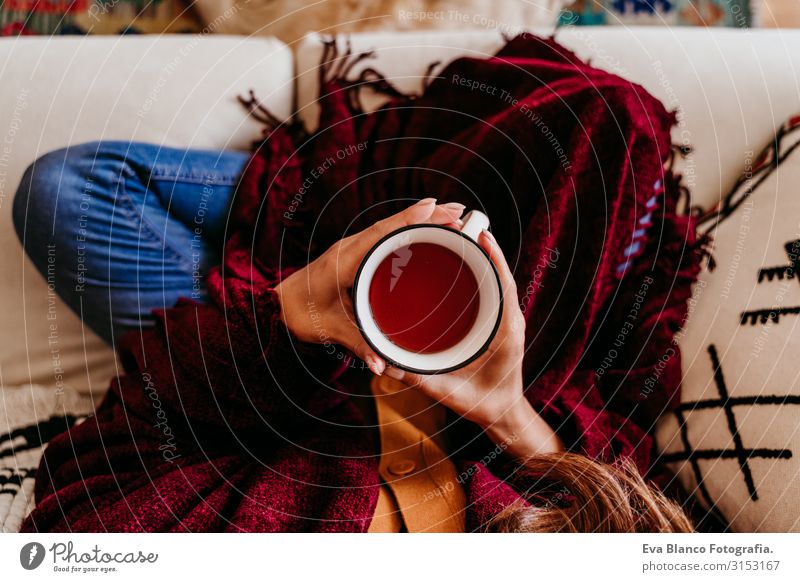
(390, 361)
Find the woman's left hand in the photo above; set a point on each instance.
(489, 391)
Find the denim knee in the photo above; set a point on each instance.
(48, 186)
(36, 197)
(40, 189)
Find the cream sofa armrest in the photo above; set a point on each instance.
(177, 90)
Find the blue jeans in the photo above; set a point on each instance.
(120, 229)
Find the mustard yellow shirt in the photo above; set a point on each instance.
(420, 491)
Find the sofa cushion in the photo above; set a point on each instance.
(735, 440)
(173, 90)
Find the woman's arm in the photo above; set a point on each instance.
(315, 301)
(263, 353)
(489, 391)
(524, 433)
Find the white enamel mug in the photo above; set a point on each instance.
(463, 243)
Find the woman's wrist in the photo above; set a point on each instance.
(522, 432)
(292, 314)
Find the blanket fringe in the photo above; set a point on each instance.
(261, 113)
(337, 68)
(684, 206)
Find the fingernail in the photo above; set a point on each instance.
(454, 206)
(489, 235)
(394, 373)
(374, 365)
(426, 201)
(459, 222)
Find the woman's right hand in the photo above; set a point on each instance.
(315, 301)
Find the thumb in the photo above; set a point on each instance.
(355, 342)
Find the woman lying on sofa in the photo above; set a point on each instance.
(223, 280)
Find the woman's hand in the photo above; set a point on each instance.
(489, 391)
(315, 301)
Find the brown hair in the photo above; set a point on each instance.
(578, 494)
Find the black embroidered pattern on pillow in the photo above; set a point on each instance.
(766, 163)
(739, 452)
(35, 435)
(31, 437)
(781, 273)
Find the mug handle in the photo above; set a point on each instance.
(474, 222)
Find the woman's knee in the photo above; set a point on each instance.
(34, 202)
(40, 190)
(53, 187)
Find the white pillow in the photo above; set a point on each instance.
(29, 417)
(735, 441)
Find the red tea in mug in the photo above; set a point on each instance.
(424, 298)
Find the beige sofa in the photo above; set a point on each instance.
(733, 88)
